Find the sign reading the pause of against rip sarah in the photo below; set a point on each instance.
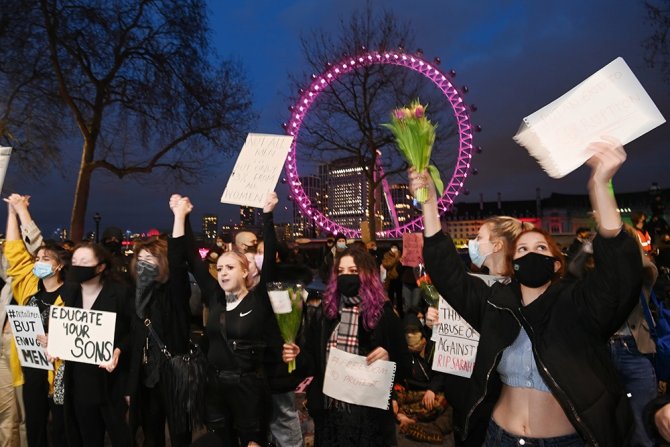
(81, 335)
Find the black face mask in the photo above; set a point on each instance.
(114, 247)
(81, 274)
(348, 285)
(534, 269)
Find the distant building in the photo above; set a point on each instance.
(210, 225)
(346, 198)
(313, 186)
(247, 217)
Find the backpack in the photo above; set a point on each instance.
(660, 333)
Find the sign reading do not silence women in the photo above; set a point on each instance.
(81, 335)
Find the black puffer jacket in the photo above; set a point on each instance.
(568, 325)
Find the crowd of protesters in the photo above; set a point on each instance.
(565, 354)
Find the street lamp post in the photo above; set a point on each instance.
(97, 218)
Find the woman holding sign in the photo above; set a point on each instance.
(542, 349)
(96, 390)
(357, 319)
(37, 282)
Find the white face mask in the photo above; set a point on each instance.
(258, 260)
(476, 256)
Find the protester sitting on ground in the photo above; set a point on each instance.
(418, 424)
(551, 384)
(38, 282)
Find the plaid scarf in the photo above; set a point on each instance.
(344, 338)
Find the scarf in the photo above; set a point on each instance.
(146, 275)
(345, 338)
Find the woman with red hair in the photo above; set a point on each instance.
(359, 319)
(542, 353)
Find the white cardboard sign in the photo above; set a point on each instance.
(257, 169)
(610, 102)
(26, 324)
(5, 152)
(456, 343)
(350, 379)
(81, 335)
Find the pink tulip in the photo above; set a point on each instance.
(419, 112)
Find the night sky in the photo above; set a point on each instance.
(515, 57)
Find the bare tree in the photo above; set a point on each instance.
(135, 78)
(346, 118)
(657, 45)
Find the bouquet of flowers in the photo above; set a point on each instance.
(287, 306)
(415, 135)
(428, 290)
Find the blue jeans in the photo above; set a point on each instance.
(285, 422)
(638, 377)
(497, 437)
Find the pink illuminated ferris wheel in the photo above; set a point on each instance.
(416, 63)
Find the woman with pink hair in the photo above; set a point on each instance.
(359, 319)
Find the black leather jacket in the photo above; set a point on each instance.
(569, 325)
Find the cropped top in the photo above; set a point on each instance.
(517, 367)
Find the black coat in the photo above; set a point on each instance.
(388, 334)
(569, 325)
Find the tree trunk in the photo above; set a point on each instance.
(81, 195)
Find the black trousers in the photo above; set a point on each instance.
(94, 419)
(38, 404)
(238, 412)
(150, 407)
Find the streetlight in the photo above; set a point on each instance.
(97, 218)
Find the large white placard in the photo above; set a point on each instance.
(81, 335)
(257, 169)
(610, 102)
(350, 379)
(5, 152)
(26, 325)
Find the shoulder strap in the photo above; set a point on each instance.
(157, 339)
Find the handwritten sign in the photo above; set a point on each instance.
(5, 152)
(610, 102)
(350, 379)
(257, 169)
(412, 249)
(456, 343)
(26, 324)
(81, 335)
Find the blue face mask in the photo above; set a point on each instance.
(43, 270)
(475, 254)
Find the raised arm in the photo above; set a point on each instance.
(606, 297)
(269, 268)
(607, 158)
(464, 292)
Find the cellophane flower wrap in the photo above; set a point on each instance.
(428, 290)
(415, 136)
(289, 322)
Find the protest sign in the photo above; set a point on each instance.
(412, 249)
(5, 152)
(26, 324)
(611, 102)
(257, 169)
(350, 379)
(456, 343)
(81, 335)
